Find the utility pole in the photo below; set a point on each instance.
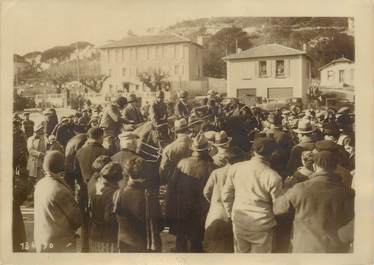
(236, 46)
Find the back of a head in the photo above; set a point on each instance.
(326, 160)
(54, 162)
(95, 133)
(264, 146)
(135, 168)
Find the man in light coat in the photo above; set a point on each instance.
(322, 206)
(37, 147)
(57, 215)
(250, 189)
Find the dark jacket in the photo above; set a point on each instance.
(158, 112)
(85, 157)
(190, 205)
(28, 127)
(72, 147)
(121, 158)
(130, 208)
(64, 133)
(132, 115)
(322, 206)
(104, 226)
(182, 110)
(294, 162)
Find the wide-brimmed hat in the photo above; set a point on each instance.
(221, 138)
(180, 125)
(131, 98)
(200, 143)
(304, 126)
(210, 135)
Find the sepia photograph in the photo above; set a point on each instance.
(138, 128)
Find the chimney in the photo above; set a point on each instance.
(304, 47)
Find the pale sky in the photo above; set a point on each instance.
(42, 24)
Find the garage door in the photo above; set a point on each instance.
(280, 92)
(246, 95)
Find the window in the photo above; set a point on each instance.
(176, 69)
(263, 72)
(109, 72)
(124, 71)
(198, 71)
(108, 52)
(123, 54)
(341, 76)
(164, 51)
(330, 75)
(279, 64)
(148, 53)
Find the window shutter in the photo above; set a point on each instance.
(287, 68)
(269, 68)
(257, 68)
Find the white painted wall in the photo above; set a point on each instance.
(243, 73)
(334, 69)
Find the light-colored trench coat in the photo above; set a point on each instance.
(36, 155)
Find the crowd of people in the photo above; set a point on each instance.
(222, 178)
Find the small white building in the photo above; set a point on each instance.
(269, 71)
(338, 73)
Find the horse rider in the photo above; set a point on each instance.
(182, 108)
(158, 109)
(132, 114)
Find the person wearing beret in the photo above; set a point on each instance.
(28, 125)
(251, 188)
(57, 214)
(322, 205)
(218, 235)
(128, 146)
(37, 147)
(189, 181)
(104, 227)
(182, 109)
(172, 154)
(131, 113)
(305, 131)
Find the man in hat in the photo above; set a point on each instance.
(306, 143)
(189, 180)
(57, 215)
(65, 130)
(316, 225)
(48, 122)
(84, 158)
(37, 147)
(19, 148)
(222, 143)
(182, 109)
(195, 124)
(131, 113)
(128, 146)
(172, 154)
(111, 120)
(251, 188)
(28, 125)
(158, 110)
(94, 122)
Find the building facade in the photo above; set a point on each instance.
(338, 74)
(177, 57)
(270, 71)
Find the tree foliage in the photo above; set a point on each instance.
(153, 78)
(224, 42)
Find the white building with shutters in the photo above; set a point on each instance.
(269, 71)
(338, 73)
